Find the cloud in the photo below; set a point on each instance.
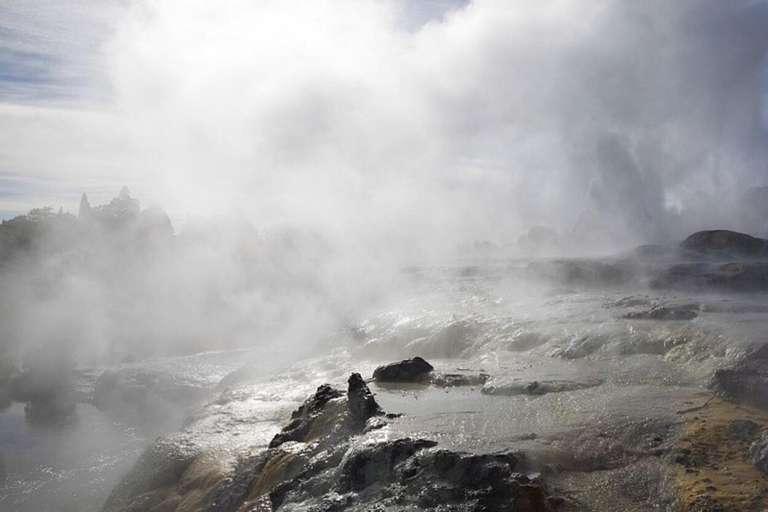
(487, 119)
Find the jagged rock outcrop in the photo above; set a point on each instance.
(325, 458)
(303, 418)
(362, 406)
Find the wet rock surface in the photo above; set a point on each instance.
(303, 418)
(511, 388)
(746, 382)
(662, 313)
(744, 430)
(555, 401)
(449, 380)
(758, 453)
(716, 458)
(342, 470)
(362, 405)
(409, 370)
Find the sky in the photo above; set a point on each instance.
(459, 119)
(62, 132)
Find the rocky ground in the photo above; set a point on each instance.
(635, 383)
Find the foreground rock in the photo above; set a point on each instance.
(331, 457)
(719, 464)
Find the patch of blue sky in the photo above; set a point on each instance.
(420, 12)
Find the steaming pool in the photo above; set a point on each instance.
(70, 466)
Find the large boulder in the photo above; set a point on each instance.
(724, 243)
(409, 370)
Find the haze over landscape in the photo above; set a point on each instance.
(211, 208)
(480, 120)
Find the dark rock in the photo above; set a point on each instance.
(706, 503)
(340, 470)
(556, 501)
(760, 352)
(746, 383)
(303, 417)
(488, 481)
(362, 405)
(744, 430)
(662, 313)
(317, 401)
(723, 243)
(376, 463)
(409, 370)
(758, 453)
(406, 473)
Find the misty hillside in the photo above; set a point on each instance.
(116, 282)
